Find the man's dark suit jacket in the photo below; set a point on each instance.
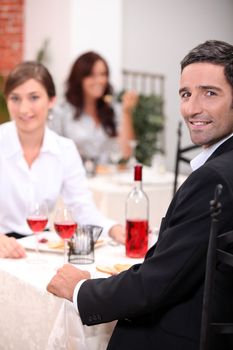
(158, 303)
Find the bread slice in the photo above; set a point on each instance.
(113, 270)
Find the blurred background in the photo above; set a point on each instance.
(149, 36)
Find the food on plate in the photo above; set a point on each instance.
(99, 242)
(122, 267)
(113, 270)
(60, 244)
(103, 169)
(106, 269)
(43, 240)
(56, 244)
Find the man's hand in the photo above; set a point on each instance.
(65, 281)
(10, 248)
(117, 232)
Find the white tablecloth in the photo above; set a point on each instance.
(110, 193)
(33, 319)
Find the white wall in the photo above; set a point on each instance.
(150, 35)
(74, 26)
(97, 25)
(49, 20)
(157, 34)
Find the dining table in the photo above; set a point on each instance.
(111, 188)
(31, 318)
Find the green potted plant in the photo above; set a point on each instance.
(148, 121)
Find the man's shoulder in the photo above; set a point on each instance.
(224, 148)
(218, 169)
(222, 162)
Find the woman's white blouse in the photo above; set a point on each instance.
(58, 171)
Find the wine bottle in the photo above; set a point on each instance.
(137, 213)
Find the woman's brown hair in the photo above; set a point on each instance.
(81, 69)
(30, 70)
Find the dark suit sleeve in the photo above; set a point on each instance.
(176, 268)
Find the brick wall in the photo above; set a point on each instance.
(11, 34)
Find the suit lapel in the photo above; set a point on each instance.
(224, 147)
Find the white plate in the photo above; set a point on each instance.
(30, 243)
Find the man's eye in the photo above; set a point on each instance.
(185, 94)
(210, 93)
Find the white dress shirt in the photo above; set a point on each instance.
(202, 157)
(57, 171)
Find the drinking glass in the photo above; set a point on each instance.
(115, 154)
(37, 218)
(65, 226)
(82, 244)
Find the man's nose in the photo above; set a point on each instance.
(193, 106)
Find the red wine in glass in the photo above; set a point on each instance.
(137, 238)
(37, 223)
(65, 227)
(37, 219)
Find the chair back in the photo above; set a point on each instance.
(144, 83)
(217, 252)
(180, 156)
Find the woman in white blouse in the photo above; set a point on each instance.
(88, 116)
(36, 164)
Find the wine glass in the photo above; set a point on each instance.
(37, 219)
(115, 154)
(65, 226)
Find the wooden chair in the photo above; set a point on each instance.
(180, 156)
(217, 252)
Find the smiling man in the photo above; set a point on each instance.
(206, 102)
(158, 304)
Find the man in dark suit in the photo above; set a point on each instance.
(158, 303)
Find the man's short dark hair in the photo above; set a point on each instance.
(212, 51)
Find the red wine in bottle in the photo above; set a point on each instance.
(137, 213)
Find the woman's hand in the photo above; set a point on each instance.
(126, 134)
(129, 101)
(10, 248)
(117, 233)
